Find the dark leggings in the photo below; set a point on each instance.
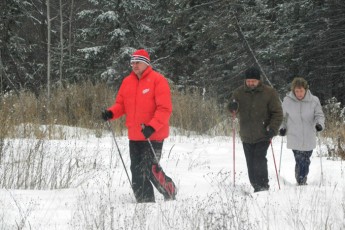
(302, 159)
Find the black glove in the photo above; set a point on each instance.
(282, 132)
(147, 131)
(233, 106)
(318, 127)
(106, 115)
(270, 133)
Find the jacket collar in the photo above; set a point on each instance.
(259, 88)
(307, 96)
(146, 72)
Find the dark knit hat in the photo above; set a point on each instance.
(141, 55)
(252, 73)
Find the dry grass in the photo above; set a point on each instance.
(335, 129)
(74, 105)
(191, 113)
(29, 122)
(26, 115)
(81, 106)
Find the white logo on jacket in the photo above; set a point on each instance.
(145, 91)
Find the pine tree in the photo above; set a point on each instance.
(109, 32)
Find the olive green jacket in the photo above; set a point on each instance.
(259, 109)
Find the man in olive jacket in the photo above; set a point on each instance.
(260, 114)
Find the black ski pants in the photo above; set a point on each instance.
(141, 160)
(146, 171)
(257, 164)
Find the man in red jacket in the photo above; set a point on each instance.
(144, 97)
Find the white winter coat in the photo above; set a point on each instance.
(300, 118)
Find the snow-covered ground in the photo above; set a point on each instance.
(202, 168)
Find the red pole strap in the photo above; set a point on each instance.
(275, 165)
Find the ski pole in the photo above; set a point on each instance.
(281, 147)
(233, 143)
(281, 153)
(153, 150)
(319, 141)
(118, 149)
(151, 146)
(275, 166)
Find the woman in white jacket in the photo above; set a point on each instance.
(303, 117)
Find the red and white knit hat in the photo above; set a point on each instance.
(141, 55)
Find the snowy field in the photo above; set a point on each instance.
(202, 168)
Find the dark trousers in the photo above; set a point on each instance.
(141, 160)
(302, 159)
(146, 171)
(257, 164)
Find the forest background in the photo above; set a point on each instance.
(203, 45)
(61, 62)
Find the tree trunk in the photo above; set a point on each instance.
(70, 34)
(1, 75)
(48, 52)
(61, 44)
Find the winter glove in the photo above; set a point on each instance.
(147, 131)
(106, 115)
(318, 127)
(270, 133)
(233, 106)
(282, 132)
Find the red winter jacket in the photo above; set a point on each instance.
(144, 101)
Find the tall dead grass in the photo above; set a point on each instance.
(335, 129)
(81, 106)
(193, 114)
(29, 122)
(26, 115)
(74, 105)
